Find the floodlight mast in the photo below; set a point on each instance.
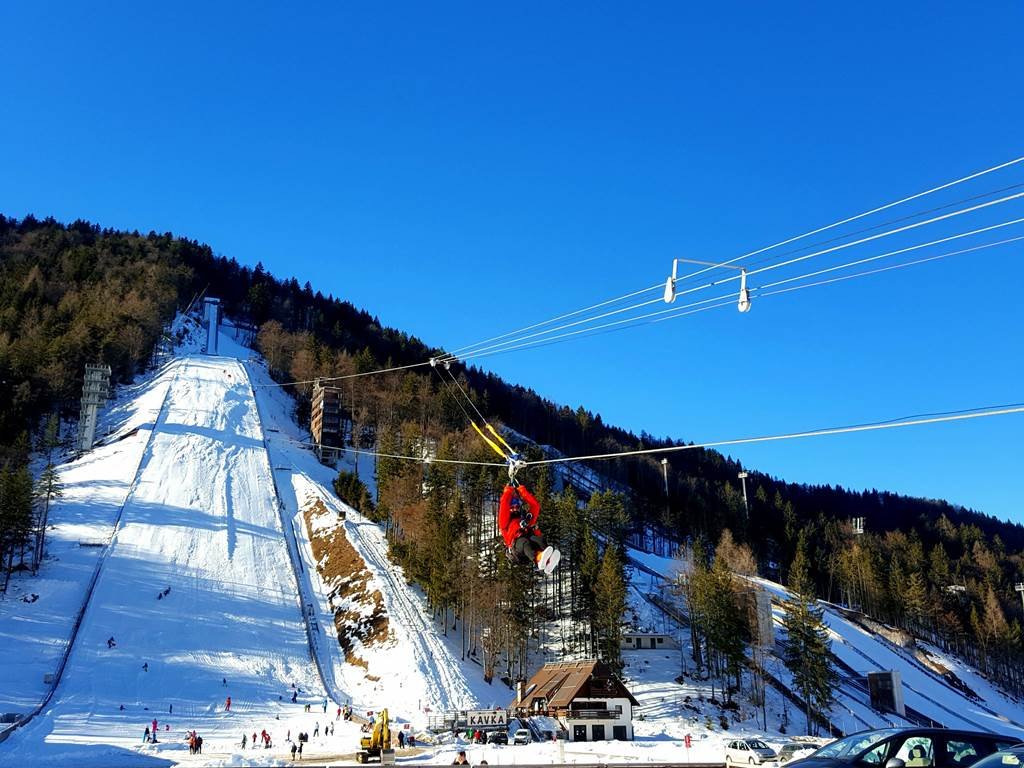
(743, 479)
(743, 305)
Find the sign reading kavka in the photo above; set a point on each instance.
(486, 717)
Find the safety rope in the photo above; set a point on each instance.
(498, 444)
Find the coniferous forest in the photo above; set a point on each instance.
(72, 294)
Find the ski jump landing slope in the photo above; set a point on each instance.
(866, 652)
(201, 520)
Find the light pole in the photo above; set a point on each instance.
(1019, 587)
(743, 479)
(668, 509)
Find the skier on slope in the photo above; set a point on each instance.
(517, 519)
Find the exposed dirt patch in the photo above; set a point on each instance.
(359, 612)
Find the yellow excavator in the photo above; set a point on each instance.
(378, 744)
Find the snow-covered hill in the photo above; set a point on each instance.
(192, 513)
(201, 535)
(930, 699)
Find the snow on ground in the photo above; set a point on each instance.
(865, 651)
(418, 671)
(924, 691)
(37, 615)
(214, 477)
(202, 520)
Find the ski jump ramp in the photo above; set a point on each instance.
(202, 520)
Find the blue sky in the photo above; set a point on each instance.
(461, 170)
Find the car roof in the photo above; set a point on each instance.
(928, 731)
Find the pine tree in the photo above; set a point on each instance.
(807, 648)
(609, 606)
(15, 514)
(48, 489)
(583, 613)
(915, 600)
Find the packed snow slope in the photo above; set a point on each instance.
(202, 521)
(415, 671)
(202, 488)
(36, 615)
(862, 651)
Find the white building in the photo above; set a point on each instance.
(586, 697)
(635, 641)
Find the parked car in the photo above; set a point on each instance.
(795, 750)
(497, 737)
(748, 752)
(1005, 758)
(908, 748)
(522, 736)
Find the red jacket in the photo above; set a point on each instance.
(507, 523)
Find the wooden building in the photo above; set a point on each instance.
(325, 417)
(586, 697)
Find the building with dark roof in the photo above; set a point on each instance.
(586, 697)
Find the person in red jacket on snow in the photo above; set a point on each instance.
(518, 513)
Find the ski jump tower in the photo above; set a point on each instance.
(211, 320)
(94, 394)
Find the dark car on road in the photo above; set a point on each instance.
(1007, 758)
(497, 737)
(907, 748)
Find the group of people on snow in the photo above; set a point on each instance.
(195, 743)
(149, 735)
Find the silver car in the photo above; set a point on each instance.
(749, 752)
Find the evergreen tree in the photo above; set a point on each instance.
(916, 601)
(583, 613)
(354, 492)
(48, 489)
(609, 607)
(807, 648)
(15, 515)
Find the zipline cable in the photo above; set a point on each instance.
(730, 300)
(658, 286)
(861, 241)
(962, 415)
(504, 450)
(887, 223)
(419, 459)
(885, 269)
(465, 348)
(346, 376)
(879, 209)
(506, 345)
(869, 259)
(476, 352)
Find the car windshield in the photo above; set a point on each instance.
(757, 744)
(1010, 758)
(851, 746)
